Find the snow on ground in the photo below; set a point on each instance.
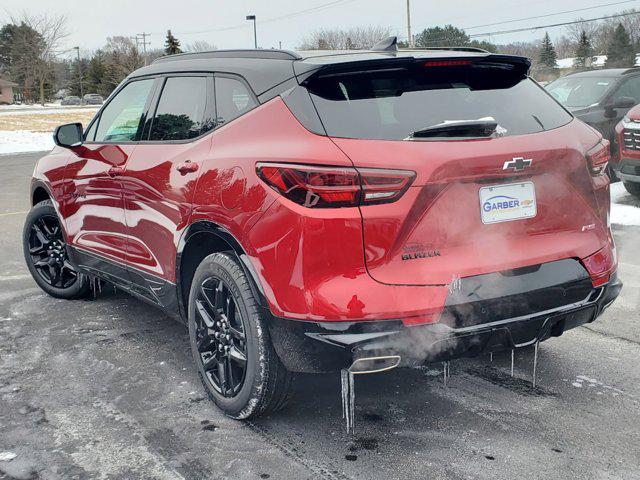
(625, 209)
(37, 107)
(20, 141)
(6, 111)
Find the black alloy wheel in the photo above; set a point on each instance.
(48, 252)
(231, 342)
(220, 337)
(45, 251)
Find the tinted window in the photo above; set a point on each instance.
(391, 104)
(630, 88)
(580, 92)
(233, 99)
(181, 112)
(120, 119)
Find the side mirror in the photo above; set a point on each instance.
(69, 135)
(624, 102)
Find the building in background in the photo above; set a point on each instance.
(6, 91)
(567, 65)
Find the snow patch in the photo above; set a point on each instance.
(624, 209)
(45, 111)
(20, 141)
(7, 456)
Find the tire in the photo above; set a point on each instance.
(45, 251)
(225, 324)
(632, 188)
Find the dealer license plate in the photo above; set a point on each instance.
(504, 203)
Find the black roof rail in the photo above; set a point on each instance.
(248, 53)
(631, 70)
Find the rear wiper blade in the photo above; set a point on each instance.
(457, 129)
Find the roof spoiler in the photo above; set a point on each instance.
(390, 44)
(509, 63)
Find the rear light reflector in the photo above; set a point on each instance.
(330, 187)
(447, 63)
(598, 157)
(601, 265)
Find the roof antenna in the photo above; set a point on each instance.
(389, 44)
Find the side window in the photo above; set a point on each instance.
(630, 88)
(233, 99)
(120, 119)
(181, 112)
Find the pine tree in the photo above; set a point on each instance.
(620, 53)
(548, 56)
(171, 44)
(96, 72)
(584, 52)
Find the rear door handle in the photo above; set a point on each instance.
(187, 167)
(115, 171)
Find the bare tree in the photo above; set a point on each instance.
(574, 31)
(565, 47)
(355, 38)
(631, 24)
(39, 51)
(601, 33)
(525, 49)
(200, 46)
(122, 58)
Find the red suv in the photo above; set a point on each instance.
(628, 167)
(302, 212)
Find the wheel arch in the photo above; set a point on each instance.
(199, 240)
(40, 192)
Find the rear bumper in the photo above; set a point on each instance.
(627, 169)
(331, 346)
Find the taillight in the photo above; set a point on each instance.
(330, 187)
(601, 265)
(598, 157)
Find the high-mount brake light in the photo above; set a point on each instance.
(447, 63)
(598, 158)
(330, 187)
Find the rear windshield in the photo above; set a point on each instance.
(391, 104)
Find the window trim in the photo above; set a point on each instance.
(242, 80)
(162, 80)
(114, 94)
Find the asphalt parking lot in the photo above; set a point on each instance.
(106, 389)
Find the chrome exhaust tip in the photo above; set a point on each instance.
(366, 365)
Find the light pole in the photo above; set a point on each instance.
(409, 37)
(255, 34)
(77, 49)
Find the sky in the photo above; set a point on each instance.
(281, 22)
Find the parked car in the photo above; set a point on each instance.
(71, 100)
(599, 98)
(93, 99)
(628, 167)
(312, 212)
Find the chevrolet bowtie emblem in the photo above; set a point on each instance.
(518, 164)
